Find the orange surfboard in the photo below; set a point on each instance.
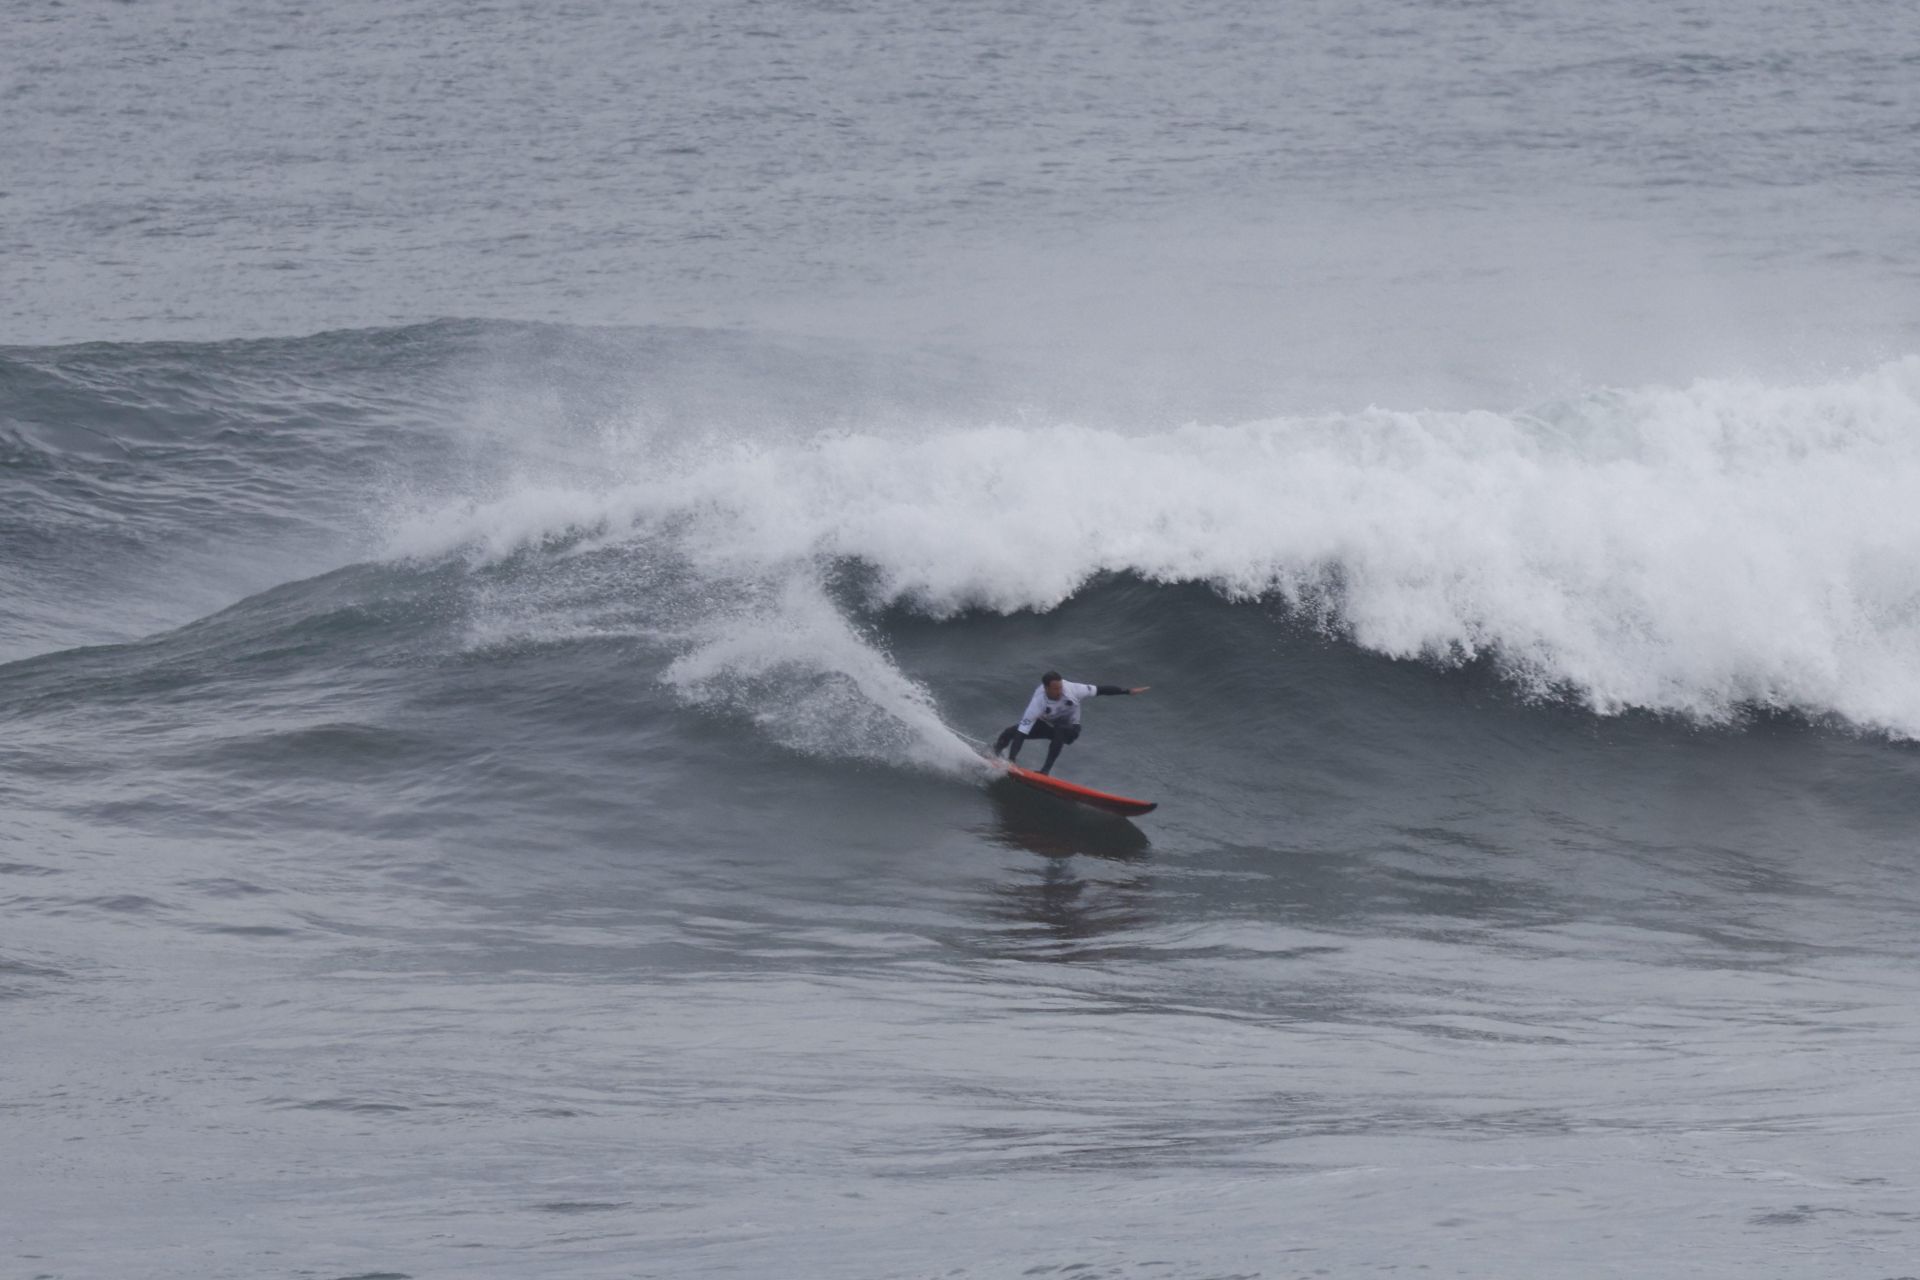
(1074, 791)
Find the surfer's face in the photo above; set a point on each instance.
(1054, 688)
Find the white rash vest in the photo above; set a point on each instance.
(1064, 709)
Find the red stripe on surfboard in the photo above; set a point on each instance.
(1074, 791)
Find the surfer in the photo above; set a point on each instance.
(1053, 713)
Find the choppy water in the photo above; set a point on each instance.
(493, 795)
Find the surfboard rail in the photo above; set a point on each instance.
(1126, 806)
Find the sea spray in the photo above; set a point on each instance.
(794, 663)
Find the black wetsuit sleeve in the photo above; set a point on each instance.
(1106, 690)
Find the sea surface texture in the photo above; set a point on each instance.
(514, 519)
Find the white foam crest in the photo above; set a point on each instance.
(1691, 549)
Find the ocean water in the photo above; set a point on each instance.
(515, 519)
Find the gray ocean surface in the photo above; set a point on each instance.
(514, 518)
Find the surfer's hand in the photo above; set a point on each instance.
(1142, 689)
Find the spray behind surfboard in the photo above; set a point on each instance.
(804, 673)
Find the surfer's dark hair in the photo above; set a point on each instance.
(1050, 677)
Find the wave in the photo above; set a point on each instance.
(1701, 550)
(756, 517)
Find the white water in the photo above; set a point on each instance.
(1692, 550)
(794, 664)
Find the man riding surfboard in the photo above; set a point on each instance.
(1053, 713)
